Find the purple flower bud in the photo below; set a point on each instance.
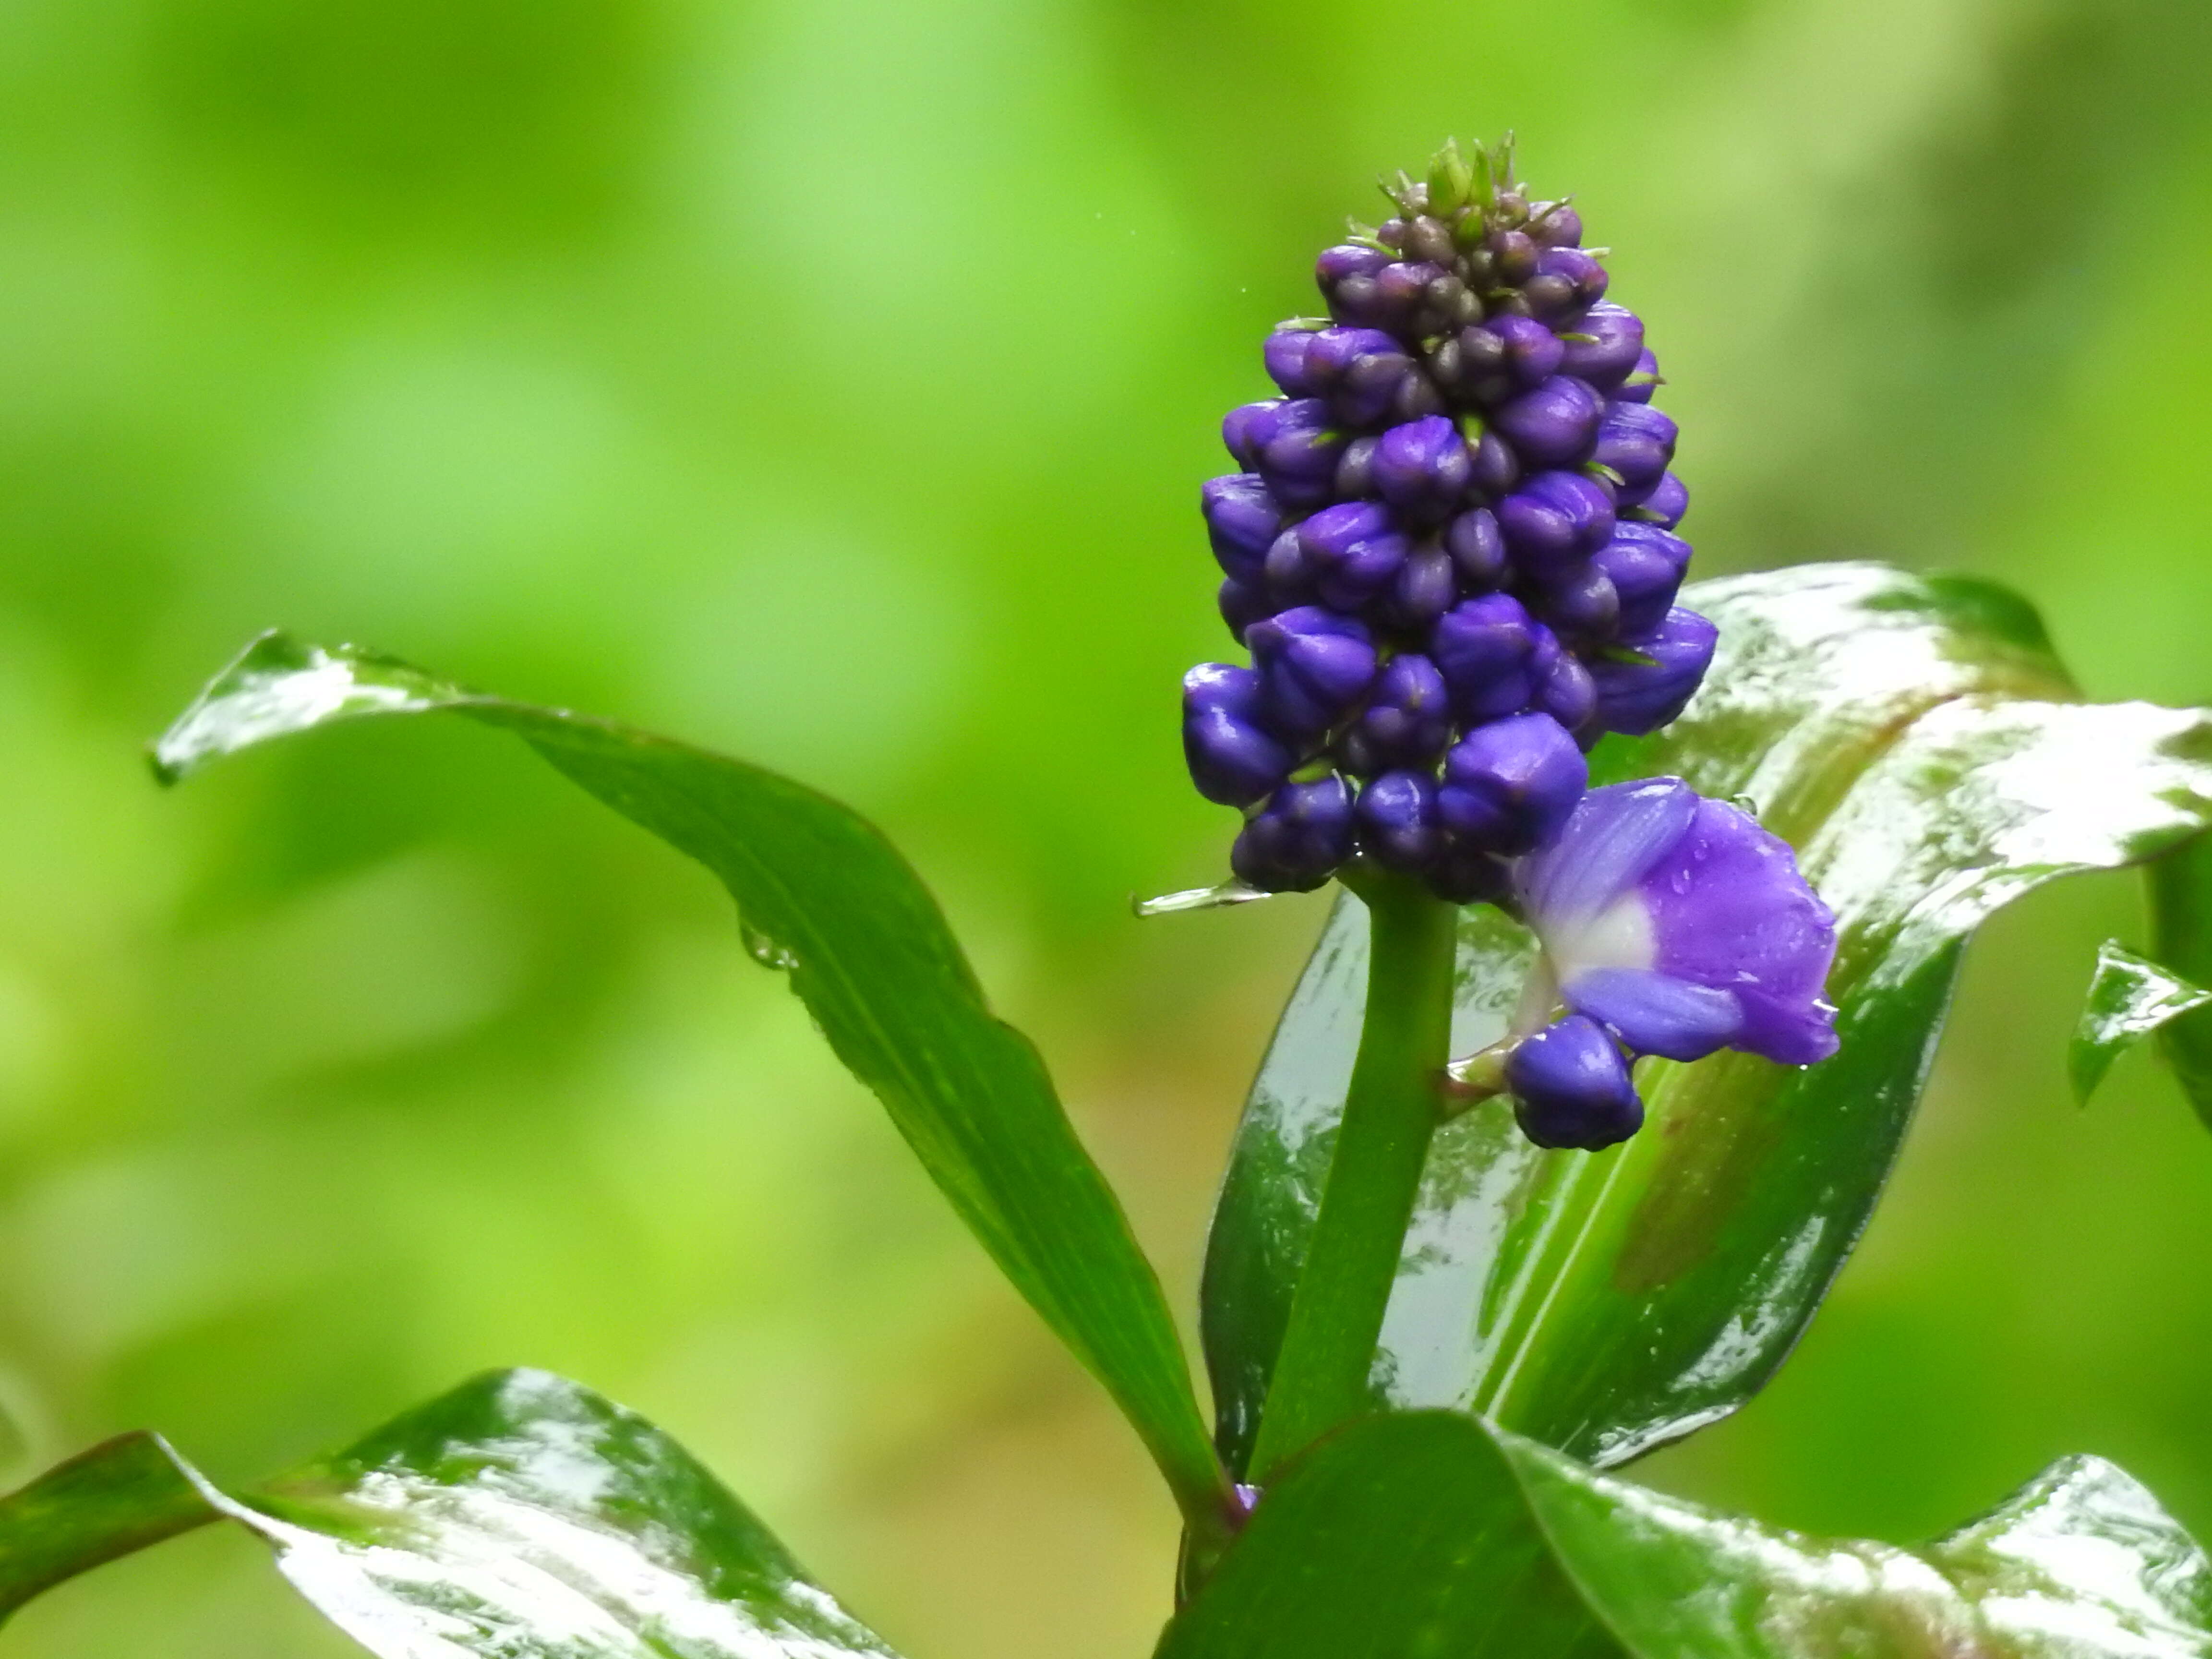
(1643, 380)
(1683, 925)
(1346, 259)
(1295, 449)
(1361, 371)
(1398, 823)
(1557, 226)
(1533, 353)
(1347, 554)
(1426, 586)
(1554, 521)
(1477, 547)
(1485, 649)
(1636, 441)
(1463, 873)
(1284, 356)
(1473, 362)
(1563, 688)
(1243, 603)
(1551, 426)
(1646, 565)
(1496, 468)
(1355, 469)
(1664, 505)
(1578, 602)
(1242, 521)
(1314, 665)
(1637, 697)
(1584, 276)
(1513, 255)
(1571, 1087)
(1610, 355)
(1234, 759)
(1297, 842)
(1423, 468)
(1238, 433)
(1509, 785)
(1406, 722)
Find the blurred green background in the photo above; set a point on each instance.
(830, 380)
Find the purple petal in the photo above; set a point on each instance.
(1616, 834)
(1728, 910)
(1656, 1013)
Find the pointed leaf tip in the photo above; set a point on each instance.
(2130, 997)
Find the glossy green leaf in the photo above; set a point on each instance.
(1432, 1533)
(520, 1517)
(822, 895)
(2181, 928)
(2130, 997)
(119, 1498)
(1915, 740)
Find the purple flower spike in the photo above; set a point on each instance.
(1408, 719)
(1361, 371)
(1240, 430)
(1553, 425)
(1554, 521)
(1234, 759)
(1571, 1087)
(1563, 688)
(1532, 353)
(1284, 357)
(1560, 226)
(1609, 356)
(1422, 468)
(1484, 647)
(1477, 547)
(1243, 603)
(1496, 468)
(1425, 586)
(1347, 554)
(1668, 500)
(1682, 926)
(1510, 785)
(1643, 380)
(1295, 447)
(1646, 565)
(1297, 841)
(1567, 282)
(1636, 441)
(1581, 604)
(1242, 520)
(1637, 697)
(1314, 665)
(1398, 823)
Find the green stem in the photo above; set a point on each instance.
(1390, 1112)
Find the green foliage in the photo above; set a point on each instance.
(1918, 745)
(1431, 1533)
(2130, 998)
(824, 898)
(519, 1516)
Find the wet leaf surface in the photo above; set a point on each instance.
(824, 897)
(2130, 998)
(1431, 1532)
(520, 1517)
(1915, 741)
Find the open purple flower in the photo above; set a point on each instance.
(1681, 926)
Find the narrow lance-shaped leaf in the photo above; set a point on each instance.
(823, 896)
(2130, 998)
(1914, 739)
(520, 1516)
(2181, 928)
(1431, 1533)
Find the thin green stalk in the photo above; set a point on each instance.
(1390, 1115)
